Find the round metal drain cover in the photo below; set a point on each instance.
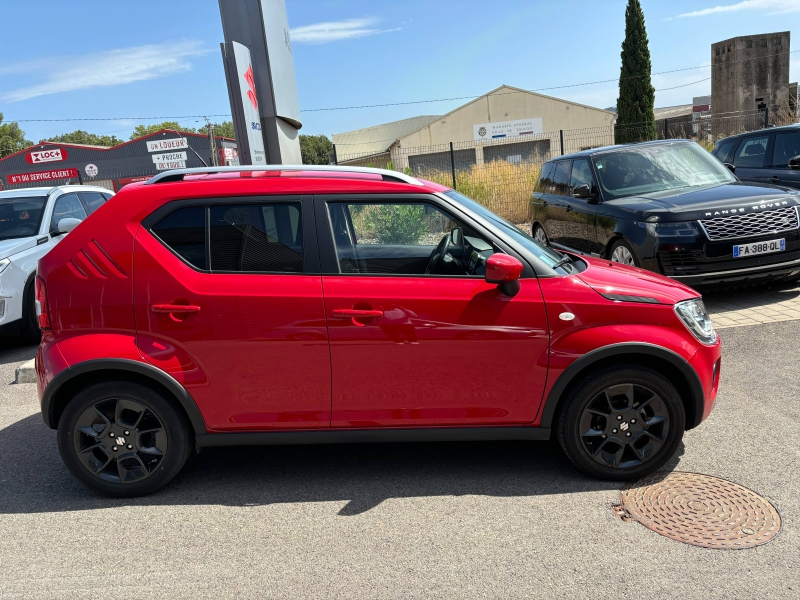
(701, 510)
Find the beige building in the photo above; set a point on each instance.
(507, 123)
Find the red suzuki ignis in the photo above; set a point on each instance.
(294, 305)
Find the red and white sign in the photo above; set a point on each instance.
(167, 144)
(91, 170)
(43, 156)
(42, 176)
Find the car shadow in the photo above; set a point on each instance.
(759, 296)
(13, 349)
(33, 478)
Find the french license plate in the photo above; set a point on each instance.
(759, 248)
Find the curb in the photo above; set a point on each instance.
(26, 372)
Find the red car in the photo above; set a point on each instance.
(294, 305)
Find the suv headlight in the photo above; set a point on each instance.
(4, 264)
(672, 230)
(697, 320)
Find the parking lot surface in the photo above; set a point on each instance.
(499, 519)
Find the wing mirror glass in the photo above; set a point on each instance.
(504, 271)
(731, 168)
(68, 224)
(794, 162)
(583, 190)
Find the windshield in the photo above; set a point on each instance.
(645, 169)
(20, 217)
(543, 253)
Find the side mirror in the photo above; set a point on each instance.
(794, 162)
(582, 191)
(68, 224)
(731, 168)
(504, 271)
(457, 237)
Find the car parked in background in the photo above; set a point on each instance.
(671, 208)
(289, 305)
(766, 156)
(32, 221)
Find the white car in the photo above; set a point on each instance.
(32, 221)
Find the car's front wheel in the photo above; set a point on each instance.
(621, 422)
(123, 439)
(621, 252)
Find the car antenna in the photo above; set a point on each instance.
(190, 148)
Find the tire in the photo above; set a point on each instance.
(143, 423)
(590, 427)
(30, 331)
(622, 252)
(540, 235)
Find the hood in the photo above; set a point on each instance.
(707, 202)
(606, 277)
(12, 246)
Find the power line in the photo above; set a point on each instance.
(112, 119)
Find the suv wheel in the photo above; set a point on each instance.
(621, 422)
(621, 252)
(122, 439)
(30, 331)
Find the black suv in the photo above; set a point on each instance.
(766, 156)
(669, 207)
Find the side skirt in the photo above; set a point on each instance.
(358, 436)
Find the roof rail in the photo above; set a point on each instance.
(178, 174)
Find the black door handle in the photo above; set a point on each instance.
(569, 208)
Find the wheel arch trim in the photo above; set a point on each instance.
(586, 361)
(50, 395)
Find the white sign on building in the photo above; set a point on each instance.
(506, 129)
(169, 157)
(172, 164)
(167, 144)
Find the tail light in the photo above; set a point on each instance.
(42, 310)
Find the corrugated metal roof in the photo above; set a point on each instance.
(378, 138)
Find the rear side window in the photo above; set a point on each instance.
(544, 178)
(787, 145)
(724, 149)
(67, 207)
(184, 232)
(92, 201)
(751, 152)
(561, 178)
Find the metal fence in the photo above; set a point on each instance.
(501, 174)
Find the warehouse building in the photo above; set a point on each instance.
(49, 164)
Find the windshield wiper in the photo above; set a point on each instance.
(567, 259)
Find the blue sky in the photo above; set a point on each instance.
(104, 59)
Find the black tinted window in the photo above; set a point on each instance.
(257, 238)
(787, 145)
(751, 152)
(561, 178)
(581, 173)
(723, 150)
(184, 231)
(544, 178)
(92, 201)
(67, 207)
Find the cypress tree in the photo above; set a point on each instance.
(636, 93)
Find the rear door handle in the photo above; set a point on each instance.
(348, 313)
(175, 308)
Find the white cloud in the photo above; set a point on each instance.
(109, 68)
(333, 31)
(774, 6)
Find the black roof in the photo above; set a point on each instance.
(592, 151)
(793, 127)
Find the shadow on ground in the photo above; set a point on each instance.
(12, 350)
(33, 479)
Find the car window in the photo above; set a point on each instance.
(405, 239)
(184, 231)
(544, 178)
(67, 206)
(262, 238)
(92, 201)
(20, 216)
(724, 149)
(581, 173)
(561, 178)
(751, 152)
(787, 145)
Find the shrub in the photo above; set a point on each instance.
(396, 223)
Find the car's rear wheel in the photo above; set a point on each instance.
(621, 252)
(540, 235)
(621, 422)
(123, 439)
(30, 331)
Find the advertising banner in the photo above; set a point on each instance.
(248, 99)
(506, 129)
(167, 144)
(43, 156)
(42, 176)
(169, 157)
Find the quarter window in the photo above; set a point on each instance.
(751, 152)
(723, 150)
(787, 145)
(184, 231)
(92, 201)
(66, 207)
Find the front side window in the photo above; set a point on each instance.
(581, 174)
(751, 153)
(405, 239)
(787, 145)
(20, 217)
(67, 206)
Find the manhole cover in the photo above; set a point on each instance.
(702, 510)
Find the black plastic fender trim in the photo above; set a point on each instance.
(587, 360)
(121, 364)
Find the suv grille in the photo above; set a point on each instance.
(739, 226)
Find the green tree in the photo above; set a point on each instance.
(12, 138)
(636, 93)
(79, 136)
(224, 129)
(315, 149)
(141, 130)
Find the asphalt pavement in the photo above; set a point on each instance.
(450, 520)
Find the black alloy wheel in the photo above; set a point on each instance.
(621, 422)
(123, 439)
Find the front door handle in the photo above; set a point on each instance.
(175, 308)
(775, 178)
(348, 313)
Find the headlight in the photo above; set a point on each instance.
(672, 230)
(4, 264)
(697, 320)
